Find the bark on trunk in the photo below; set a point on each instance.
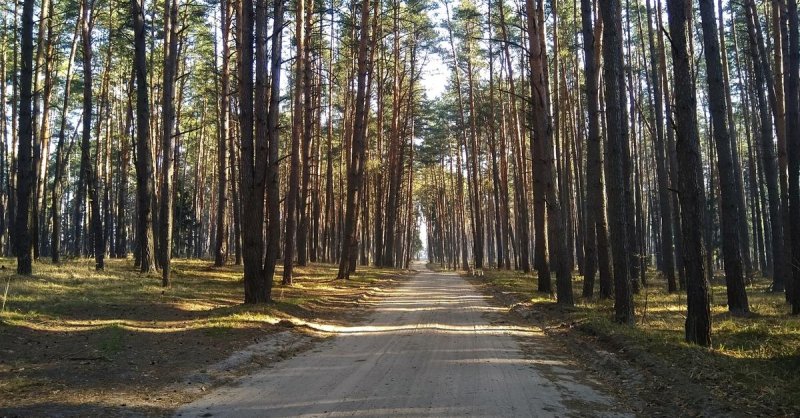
(292, 194)
(22, 233)
(356, 167)
(616, 129)
(221, 241)
(734, 274)
(542, 153)
(145, 187)
(169, 132)
(698, 319)
(597, 252)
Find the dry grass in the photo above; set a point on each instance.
(80, 342)
(754, 361)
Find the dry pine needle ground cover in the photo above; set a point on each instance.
(77, 342)
(753, 366)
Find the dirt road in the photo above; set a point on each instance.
(433, 347)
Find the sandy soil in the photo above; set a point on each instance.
(432, 347)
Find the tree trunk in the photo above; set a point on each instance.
(87, 173)
(145, 187)
(664, 201)
(474, 150)
(499, 236)
(356, 167)
(520, 195)
(22, 233)
(41, 145)
(293, 193)
(308, 132)
(793, 134)
(542, 152)
(169, 132)
(221, 238)
(734, 275)
(616, 127)
(781, 271)
(273, 179)
(781, 41)
(61, 159)
(121, 241)
(84, 174)
(597, 251)
(698, 320)
(741, 206)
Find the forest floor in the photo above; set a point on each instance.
(76, 342)
(751, 369)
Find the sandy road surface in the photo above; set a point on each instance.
(433, 347)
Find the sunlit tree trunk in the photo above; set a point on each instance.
(355, 173)
(542, 152)
(42, 93)
(169, 132)
(306, 152)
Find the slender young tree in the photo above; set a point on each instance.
(85, 169)
(293, 193)
(169, 132)
(221, 242)
(61, 155)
